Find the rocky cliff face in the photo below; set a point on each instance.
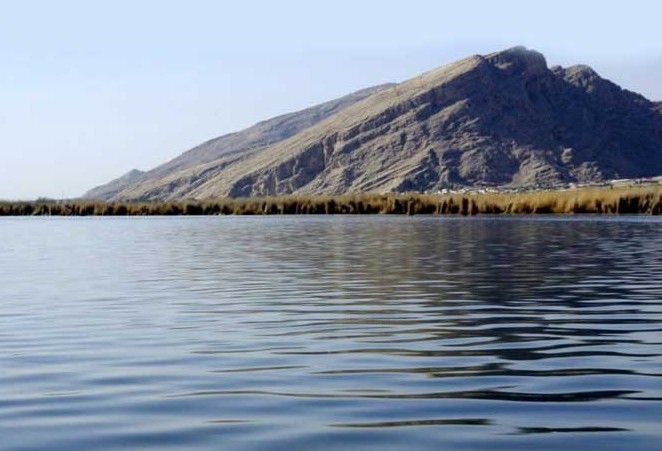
(503, 119)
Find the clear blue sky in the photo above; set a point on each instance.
(92, 89)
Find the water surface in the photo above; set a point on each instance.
(331, 333)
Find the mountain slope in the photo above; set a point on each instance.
(116, 186)
(177, 174)
(503, 119)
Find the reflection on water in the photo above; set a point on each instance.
(331, 333)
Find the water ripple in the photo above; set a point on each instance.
(331, 333)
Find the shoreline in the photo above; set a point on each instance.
(608, 200)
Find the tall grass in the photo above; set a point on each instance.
(642, 200)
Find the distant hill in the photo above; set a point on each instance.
(502, 119)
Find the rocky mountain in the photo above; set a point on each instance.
(502, 119)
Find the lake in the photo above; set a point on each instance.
(331, 333)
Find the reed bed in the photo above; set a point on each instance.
(638, 200)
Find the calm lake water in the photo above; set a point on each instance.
(300, 333)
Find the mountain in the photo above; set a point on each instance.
(502, 119)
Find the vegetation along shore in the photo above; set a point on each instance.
(630, 200)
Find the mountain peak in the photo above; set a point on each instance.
(519, 60)
(580, 72)
(587, 79)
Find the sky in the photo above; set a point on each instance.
(90, 90)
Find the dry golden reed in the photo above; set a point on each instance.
(632, 200)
